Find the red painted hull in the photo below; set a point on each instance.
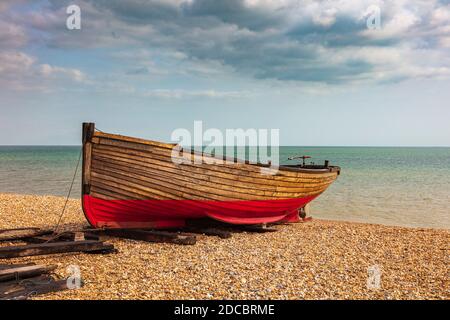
(174, 213)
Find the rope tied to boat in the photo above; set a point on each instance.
(70, 191)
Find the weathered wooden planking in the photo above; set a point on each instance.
(148, 192)
(22, 272)
(30, 288)
(141, 179)
(167, 149)
(152, 236)
(134, 140)
(203, 175)
(108, 193)
(87, 135)
(64, 236)
(19, 229)
(175, 189)
(8, 266)
(208, 172)
(54, 248)
(116, 190)
(190, 181)
(172, 189)
(12, 286)
(21, 233)
(235, 168)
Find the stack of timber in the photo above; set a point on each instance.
(44, 242)
(22, 281)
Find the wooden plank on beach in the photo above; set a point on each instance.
(64, 236)
(18, 229)
(224, 234)
(22, 272)
(255, 228)
(152, 236)
(33, 287)
(7, 266)
(54, 248)
(22, 233)
(231, 228)
(14, 285)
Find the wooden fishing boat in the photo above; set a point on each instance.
(135, 183)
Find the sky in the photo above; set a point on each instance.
(322, 72)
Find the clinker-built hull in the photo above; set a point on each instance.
(135, 183)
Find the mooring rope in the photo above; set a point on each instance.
(70, 191)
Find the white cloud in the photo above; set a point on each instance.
(445, 41)
(49, 71)
(325, 18)
(14, 62)
(182, 94)
(441, 15)
(20, 71)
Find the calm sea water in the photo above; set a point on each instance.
(394, 186)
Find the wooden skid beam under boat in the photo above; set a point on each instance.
(217, 226)
(54, 248)
(224, 234)
(256, 228)
(152, 236)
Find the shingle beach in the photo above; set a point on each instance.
(314, 260)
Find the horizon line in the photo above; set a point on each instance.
(306, 146)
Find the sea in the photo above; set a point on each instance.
(401, 186)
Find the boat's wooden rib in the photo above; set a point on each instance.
(135, 182)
